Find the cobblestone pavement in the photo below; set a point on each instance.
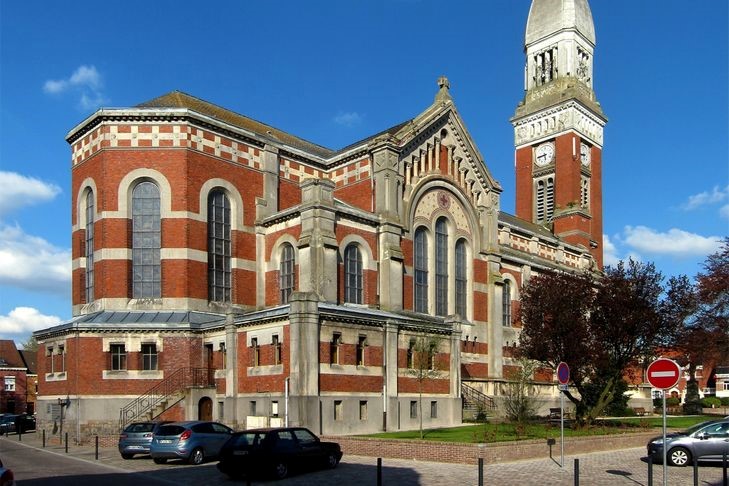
(619, 467)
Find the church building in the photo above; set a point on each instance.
(224, 269)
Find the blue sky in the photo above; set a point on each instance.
(334, 72)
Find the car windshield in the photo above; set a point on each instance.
(696, 428)
(142, 427)
(170, 430)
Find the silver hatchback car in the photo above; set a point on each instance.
(193, 441)
(707, 441)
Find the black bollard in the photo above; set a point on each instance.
(696, 471)
(66, 439)
(44, 438)
(379, 471)
(577, 472)
(97, 447)
(723, 462)
(650, 470)
(480, 471)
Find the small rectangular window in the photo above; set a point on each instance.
(253, 407)
(334, 348)
(363, 410)
(338, 412)
(433, 409)
(413, 409)
(361, 345)
(118, 357)
(149, 357)
(10, 383)
(221, 410)
(255, 352)
(62, 354)
(411, 354)
(276, 350)
(49, 360)
(274, 408)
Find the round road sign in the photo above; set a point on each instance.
(663, 373)
(563, 373)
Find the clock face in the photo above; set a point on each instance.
(585, 154)
(545, 154)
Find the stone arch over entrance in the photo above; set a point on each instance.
(205, 409)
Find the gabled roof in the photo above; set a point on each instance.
(9, 355)
(29, 360)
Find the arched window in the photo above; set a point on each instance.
(352, 275)
(146, 242)
(219, 247)
(286, 273)
(421, 270)
(545, 200)
(89, 246)
(506, 303)
(461, 279)
(441, 267)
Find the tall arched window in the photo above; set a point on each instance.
(352, 275)
(89, 246)
(461, 278)
(219, 247)
(506, 303)
(146, 242)
(441, 267)
(286, 273)
(420, 266)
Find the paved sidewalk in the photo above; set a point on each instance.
(619, 467)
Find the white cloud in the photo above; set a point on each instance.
(25, 320)
(17, 191)
(32, 263)
(348, 119)
(86, 81)
(610, 252)
(715, 196)
(724, 211)
(674, 242)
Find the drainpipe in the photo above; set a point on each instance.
(286, 402)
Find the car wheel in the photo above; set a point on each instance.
(280, 470)
(197, 456)
(127, 456)
(332, 460)
(159, 460)
(679, 457)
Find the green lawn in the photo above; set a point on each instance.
(498, 432)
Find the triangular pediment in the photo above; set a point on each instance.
(437, 144)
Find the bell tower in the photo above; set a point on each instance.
(558, 126)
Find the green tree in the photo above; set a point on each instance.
(30, 344)
(519, 400)
(599, 325)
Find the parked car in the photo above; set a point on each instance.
(136, 438)
(7, 478)
(277, 452)
(193, 441)
(706, 441)
(7, 423)
(24, 422)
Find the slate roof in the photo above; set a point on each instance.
(9, 355)
(29, 357)
(178, 99)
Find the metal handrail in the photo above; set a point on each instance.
(474, 395)
(177, 381)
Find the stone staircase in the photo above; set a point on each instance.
(165, 394)
(475, 403)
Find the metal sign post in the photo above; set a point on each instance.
(664, 374)
(563, 376)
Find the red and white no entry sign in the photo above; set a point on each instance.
(663, 373)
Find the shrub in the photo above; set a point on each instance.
(672, 402)
(710, 402)
(725, 401)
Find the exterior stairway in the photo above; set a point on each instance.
(165, 394)
(475, 403)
